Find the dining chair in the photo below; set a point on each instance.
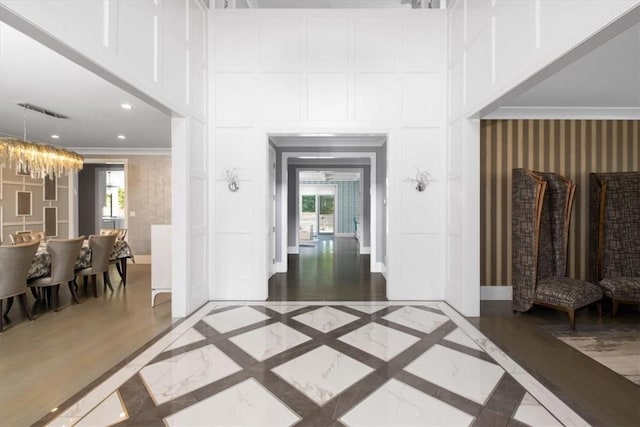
(120, 263)
(101, 247)
(15, 261)
(63, 253)
(17, 238)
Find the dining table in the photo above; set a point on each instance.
(41, 263)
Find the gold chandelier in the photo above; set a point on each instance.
(39, 160)
(35, 159)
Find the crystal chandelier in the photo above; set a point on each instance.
(39, 160)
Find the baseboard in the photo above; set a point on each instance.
(496, 293)
(377, 267)
(365, 250)
(293, 250)
(281, 267)
(344, 235)
(142, 259)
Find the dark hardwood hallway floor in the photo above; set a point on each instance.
(332, 270)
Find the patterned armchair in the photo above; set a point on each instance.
(540, 231)
(614, 235)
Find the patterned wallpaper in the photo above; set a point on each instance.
(572, 148)
(348, 201)
(25, 203)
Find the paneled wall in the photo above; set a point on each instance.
(338, 71)
(24, 205)
(572, 148)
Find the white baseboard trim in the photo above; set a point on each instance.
(496, 293)
(141, 259)
(281, 267)
(345, 235)
(365, 250)
(292, 250)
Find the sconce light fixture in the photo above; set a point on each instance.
(233, 181)
(422, 180)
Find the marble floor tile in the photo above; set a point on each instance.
(284, 309)
(459, 337)
(533, 413)
(181, 374)
(245, 404)
(457, 372)
(189, 337)
(381, 341)
(325, 319)
(268, 341)
(368, 308)
(398, 404)
(111, 411)
(322, 374)
(235, 318)
(414, 318)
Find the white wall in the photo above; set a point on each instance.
(494, 45)
(341, 71)
(156, 49)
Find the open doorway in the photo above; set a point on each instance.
(331, 228)
(102, 196)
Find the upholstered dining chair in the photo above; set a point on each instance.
(101, 247)
(15, 261)
(17, 238)
(63, 253)
(120, 263)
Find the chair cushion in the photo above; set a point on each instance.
(566, 292)
(621, 288)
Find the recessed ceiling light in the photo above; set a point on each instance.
(126, 106)
(55, 136)
(122, 137)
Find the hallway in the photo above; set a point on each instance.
(332, 269)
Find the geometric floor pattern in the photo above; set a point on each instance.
(350, 364)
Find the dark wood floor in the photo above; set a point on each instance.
(599, 395)
(332, 270)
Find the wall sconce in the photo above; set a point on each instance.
(233, 182)
(422, 180)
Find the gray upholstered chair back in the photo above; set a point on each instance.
(18, 238)
(64, 253)
(528, 191)
(101, 247)
(615, 225)
(15, 261)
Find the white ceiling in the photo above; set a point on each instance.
(606, 79)
(35, 74)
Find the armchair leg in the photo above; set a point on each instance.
(35, 293)
(25, 307)
(94, 286)
(54, 297)
(572, 319)
(614, 312)
(74, 294)
(9, 304)
(107, 281)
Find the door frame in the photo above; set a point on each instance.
(282, 266)
(74, 215)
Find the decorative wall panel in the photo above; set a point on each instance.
(572, 148)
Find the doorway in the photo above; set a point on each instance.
(331, 218)
(102, 196)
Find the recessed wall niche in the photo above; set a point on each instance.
(50, 189)
(23, 203)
